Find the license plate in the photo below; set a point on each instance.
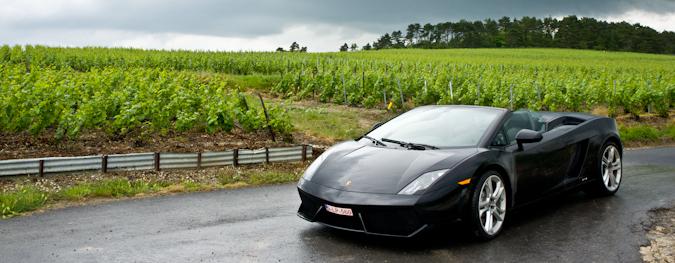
(339, 210)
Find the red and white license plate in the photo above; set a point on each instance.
(339, 210)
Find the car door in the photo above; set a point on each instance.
(540, 167)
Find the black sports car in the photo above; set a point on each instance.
(437, 164)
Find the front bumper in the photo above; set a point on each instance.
(378, 214)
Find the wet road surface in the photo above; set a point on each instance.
(260, 225)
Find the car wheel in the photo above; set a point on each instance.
(609, 175)
(489, 205)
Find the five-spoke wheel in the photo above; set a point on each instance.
(611, 168)
(489, 205)
(609, 174)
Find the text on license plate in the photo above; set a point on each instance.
(339, 210)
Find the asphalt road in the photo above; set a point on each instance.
(260, 225)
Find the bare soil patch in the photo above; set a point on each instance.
(19, 146)
(661, 235)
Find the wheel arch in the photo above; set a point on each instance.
(615, 139)
(506, 176)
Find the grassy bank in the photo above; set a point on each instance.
(24, 194)
(649, 130)
(329, 123)
(647, 135)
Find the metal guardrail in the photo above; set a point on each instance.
(152, 161)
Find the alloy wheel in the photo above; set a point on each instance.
(611, 168)
(492, 204)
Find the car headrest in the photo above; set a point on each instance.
(521, 120)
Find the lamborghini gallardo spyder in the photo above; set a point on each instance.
(440, 164)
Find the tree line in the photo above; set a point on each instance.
(295, 47)
(568, 32)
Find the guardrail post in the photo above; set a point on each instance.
(104, 163)
(41, 170)
(199, 160)
(267, 155)
(304, 152)
(157, 168)
(235, 157)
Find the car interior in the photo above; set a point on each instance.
(521, 119)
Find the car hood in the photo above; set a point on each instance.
(356, 167)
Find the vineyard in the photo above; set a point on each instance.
(69, 90)
(41, 98)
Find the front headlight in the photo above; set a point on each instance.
(314, 166)
(422, 183)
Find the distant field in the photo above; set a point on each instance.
(67, 90)
(534, 57)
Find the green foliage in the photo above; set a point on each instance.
(670, 132)
(568, 32)
(280, 121)
(107, 188)
(229, 178)
(330, 124)
(256, 177)
(270, 177)
(24, 200)
(122, 91)
(193, 186)
(542, 79)
(76, 192)
(639, 133)
(122, 101)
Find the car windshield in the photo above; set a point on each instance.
(439, 126)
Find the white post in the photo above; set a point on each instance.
(452, 97)
(400, 91)
(384, 93)
(511, 96)
(478, 93)
(344, 89)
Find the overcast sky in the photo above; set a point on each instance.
(321, 25)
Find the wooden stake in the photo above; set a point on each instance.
(344, 89)
(511, 96)
(400, 91)
(267, 118)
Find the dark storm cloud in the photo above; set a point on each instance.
(262, 17)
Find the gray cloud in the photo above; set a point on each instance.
(267, 24)
(230, 18)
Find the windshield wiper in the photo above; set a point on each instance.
(375, 141)
(410, 145)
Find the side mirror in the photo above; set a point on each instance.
(527, 136)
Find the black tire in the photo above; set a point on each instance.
(599, 187)
(475, 217)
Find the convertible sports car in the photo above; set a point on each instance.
(438, 164)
